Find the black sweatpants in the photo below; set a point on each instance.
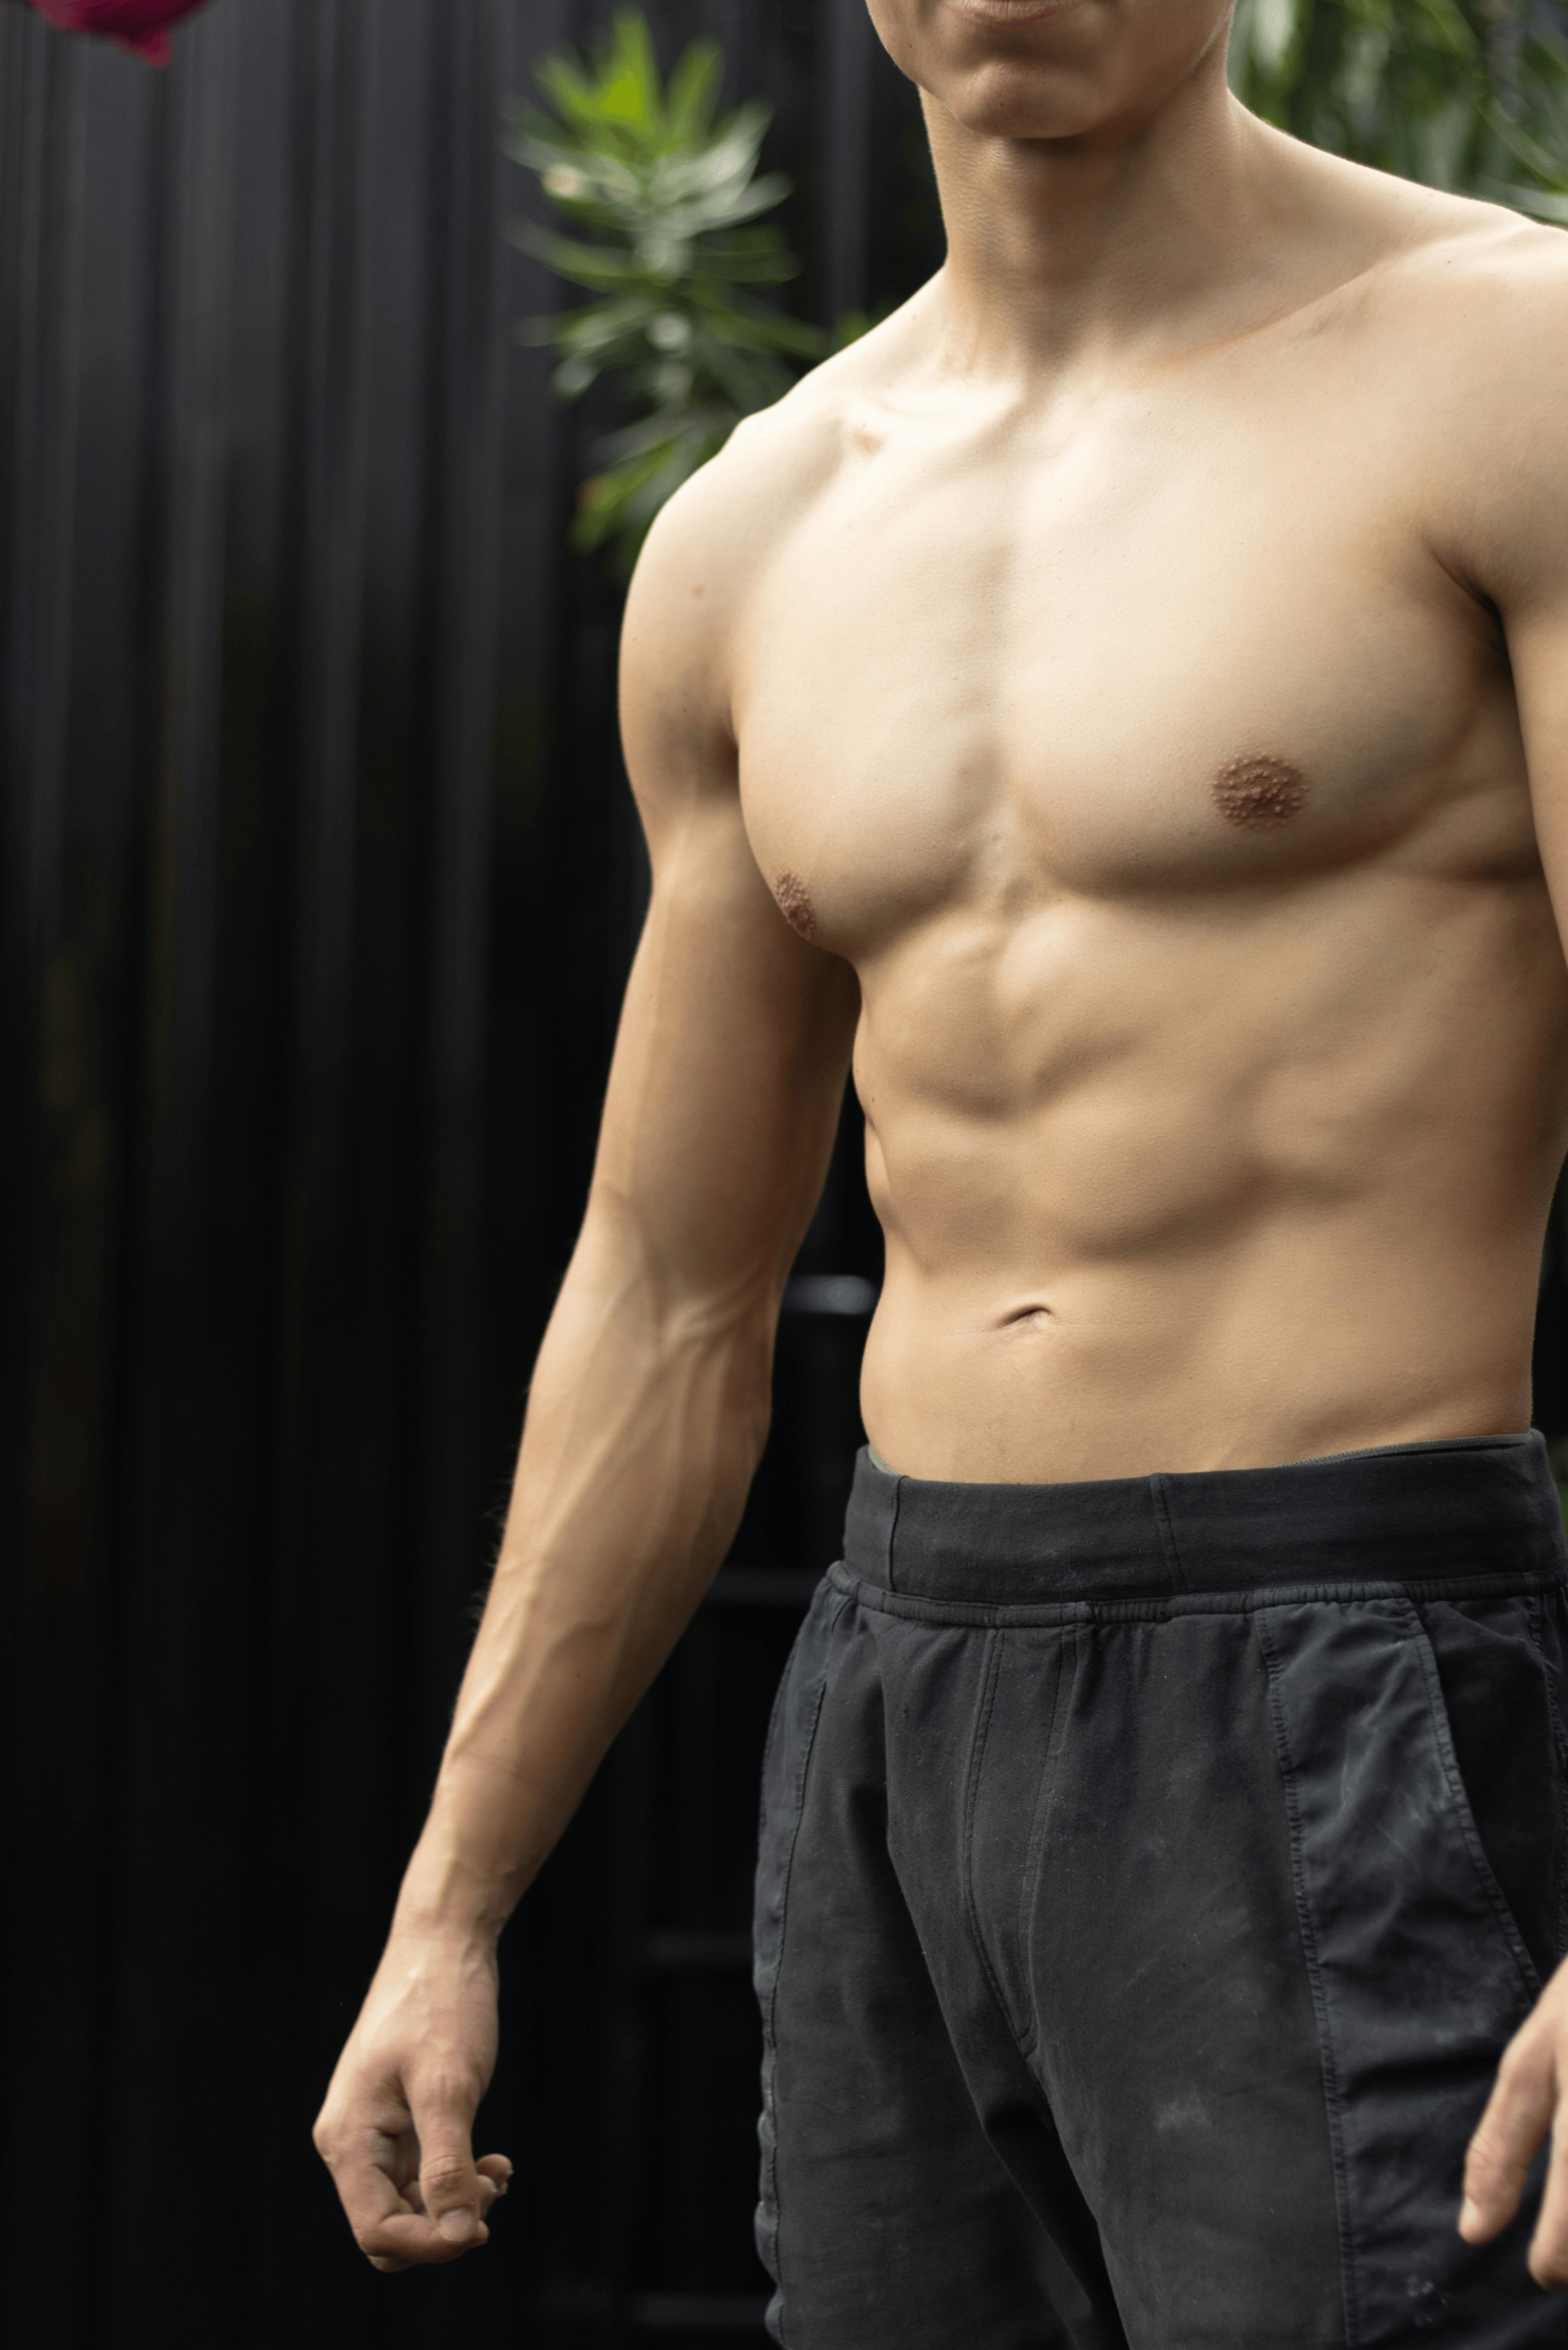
(1152, 1872)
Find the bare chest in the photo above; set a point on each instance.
(1184, 649)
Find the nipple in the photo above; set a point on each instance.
(1259, 792)
(795, 904)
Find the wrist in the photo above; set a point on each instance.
(445, 1898)
(487, 1833)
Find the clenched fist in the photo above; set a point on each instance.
(396, 2130)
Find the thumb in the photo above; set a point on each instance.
(449, 2182)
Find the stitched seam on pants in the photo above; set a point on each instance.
(1464, 1817)
(769, 2036)
(1157, 1484)
(995, 1642)
(1533, 1613)
(1008, 1614)
(776, 1714)
(1066, 1663)
(1333, 2093)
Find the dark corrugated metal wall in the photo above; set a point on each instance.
(319, 884)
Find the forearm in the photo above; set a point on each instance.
(647, 1416)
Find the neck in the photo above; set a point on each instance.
(1135, 234)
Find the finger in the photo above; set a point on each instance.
(1549, 2245)
(490, 2189)
(363, 2166)
(390, 2227)
(490, 2185)
(1516, 2119)
(407, 2239)
(449, 2186)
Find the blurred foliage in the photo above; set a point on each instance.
(1470, 95)
(667, 192)
(664, 195)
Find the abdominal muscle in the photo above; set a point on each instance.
(1219, 1193)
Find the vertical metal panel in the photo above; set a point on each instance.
(166, 1760)
(471, 339)
(842, 188)
(40, 220)
(333, 95)
(194, 427)
(46, 189)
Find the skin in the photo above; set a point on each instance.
(1122, 704)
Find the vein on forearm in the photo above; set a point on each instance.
(649, 1413)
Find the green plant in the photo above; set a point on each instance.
(666, 193)
(1470, 95)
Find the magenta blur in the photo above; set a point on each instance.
(139, 26)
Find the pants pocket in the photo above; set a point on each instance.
(1499, 1672)
(1419, 1974)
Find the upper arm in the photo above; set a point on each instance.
(1515, 508)
(735, 1034)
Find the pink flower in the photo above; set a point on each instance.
(140, 25)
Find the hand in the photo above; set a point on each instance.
(395, 2128)
(1528, 2099)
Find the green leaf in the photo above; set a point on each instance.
(1419, 86)
(664, 424)
(760, 330)
(851, 325)
(693, 93)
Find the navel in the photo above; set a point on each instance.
(1027, 1317)
(1260, 791)
(794, 902)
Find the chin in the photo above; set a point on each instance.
(1001, 102)
(1096, 64)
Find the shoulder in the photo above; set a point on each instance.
(1479, 328)
(1433, 268)
(1480, 265)
(1449, 354)
(738, 508)
(714, 540)
(1480, 309)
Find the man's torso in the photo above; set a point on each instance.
(1142, 749)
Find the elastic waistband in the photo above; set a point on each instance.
(1468, 1507)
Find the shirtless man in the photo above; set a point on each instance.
(1121, 708)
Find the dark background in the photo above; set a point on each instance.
(320, 883)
